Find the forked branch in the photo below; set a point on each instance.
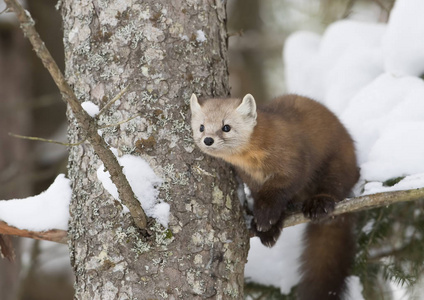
(87, 124)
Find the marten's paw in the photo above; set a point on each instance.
(318, 207)
(266, 215)
(270, 237)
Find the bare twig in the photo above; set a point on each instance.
(116, 98)
(382, 5)
(86, 123)
(236, 33)
(54, 235)
(348, 9)
(33, 138)
(119, 123)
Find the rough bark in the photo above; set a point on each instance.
(156, 48)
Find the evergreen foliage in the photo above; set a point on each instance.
(390, 247)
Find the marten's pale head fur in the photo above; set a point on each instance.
(222, 127)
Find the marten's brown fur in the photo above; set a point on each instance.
(290, 152)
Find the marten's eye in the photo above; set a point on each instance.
(226, 128)
(202, 128)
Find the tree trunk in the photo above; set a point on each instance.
(159, 49)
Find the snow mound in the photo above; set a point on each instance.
(367, 74)
(48, 210)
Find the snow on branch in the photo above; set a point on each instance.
(86, 123)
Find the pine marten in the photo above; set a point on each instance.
(291, 151)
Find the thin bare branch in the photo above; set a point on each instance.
(348, 9)
(382, 5)
(54, 235)
(33, 138)
(116, 98)
(119, 123)
(87, 124)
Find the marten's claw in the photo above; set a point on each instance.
(270, 237)
(266, 215)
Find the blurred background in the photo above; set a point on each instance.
(30, 105)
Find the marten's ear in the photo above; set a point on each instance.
(194, 105)
(247, 106)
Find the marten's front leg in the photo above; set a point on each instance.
(268, 208)
(270, 202)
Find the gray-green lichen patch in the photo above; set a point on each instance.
(195, 283)
(153, 34)
(195, 208)
(163, 236)
(131, 234)
(232, 290)
(103, 260)
(79, 33)
(197, 239)
(217, 196)
(203, 237)
(228, 202)
(109, 291)
(175, 177)
(110, 10)
(198, 259)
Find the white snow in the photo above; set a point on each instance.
(91, 108)
(184, 37)
(408, 183)
(200, 36)
(403, 44)
(359, 71)
(355, 288)
(48, 210)
(144, 183)
(277, 265)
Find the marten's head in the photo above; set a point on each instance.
(223, 127)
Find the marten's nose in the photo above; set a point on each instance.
(208, 141)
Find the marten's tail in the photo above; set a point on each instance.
(327, 258)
